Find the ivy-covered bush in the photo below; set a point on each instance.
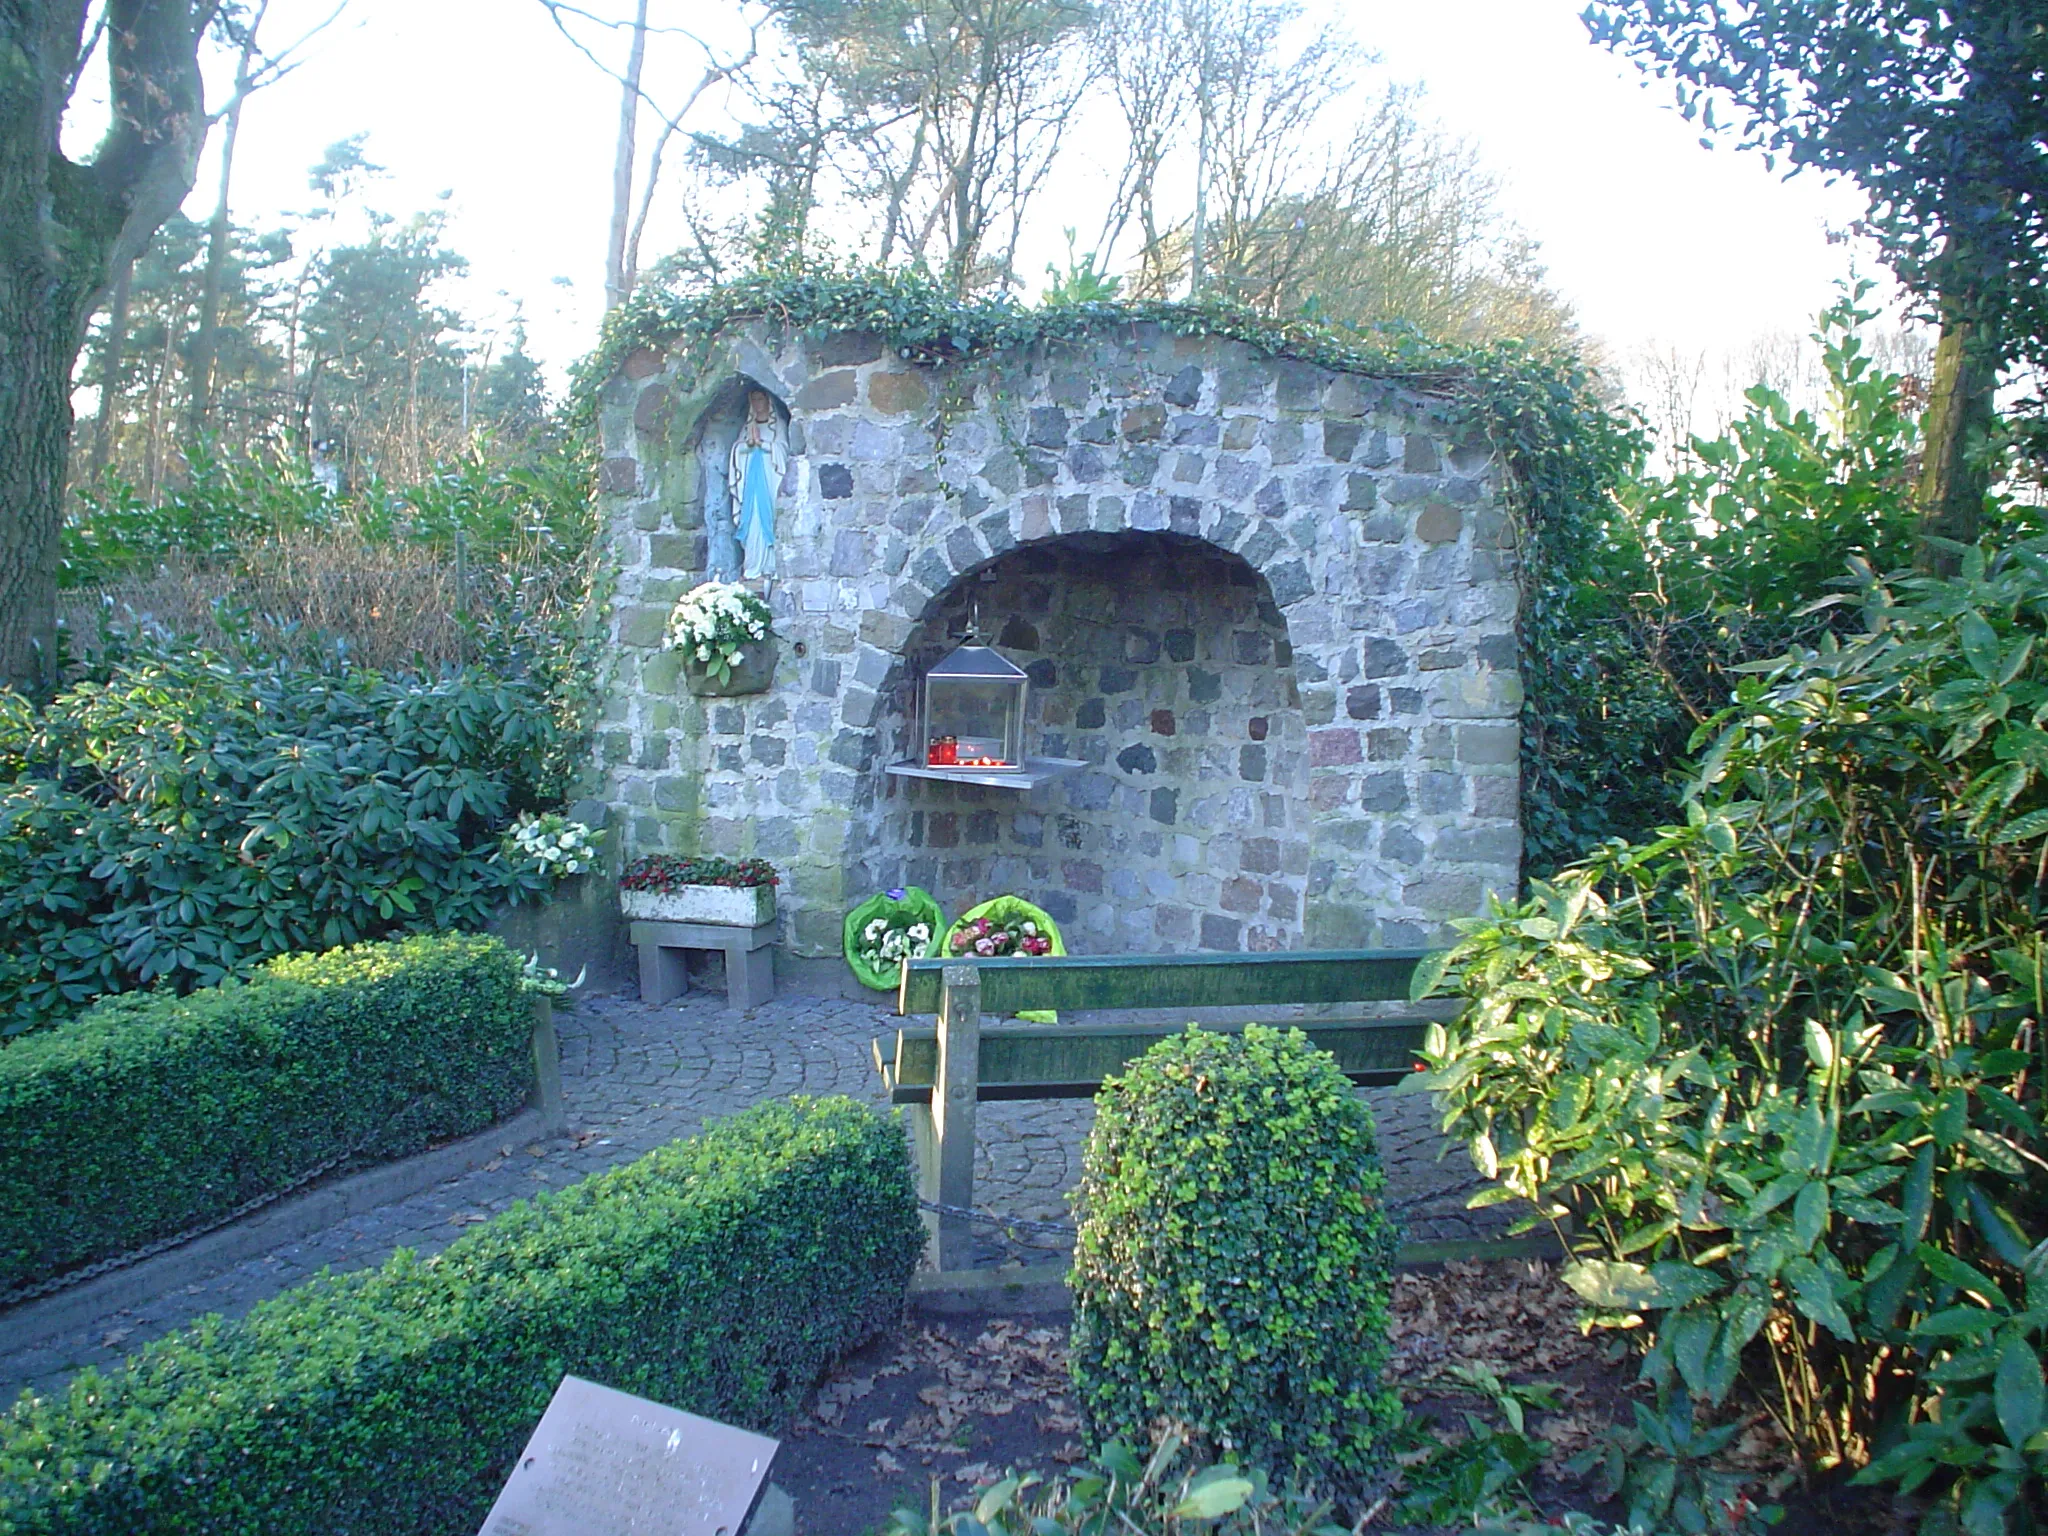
(1231, 1275)
(152, 1113)
(187, 819)
(1786, 1061)
(719, 1275)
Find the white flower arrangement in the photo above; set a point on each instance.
(714, 624)
(883, 942)
(545, 980)
(553, 845)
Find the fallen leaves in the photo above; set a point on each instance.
(1006, 1368)
(1514, 1319)
(967, 1405)
(1517, 1320)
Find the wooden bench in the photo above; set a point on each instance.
(940, 1074)
(664, 968)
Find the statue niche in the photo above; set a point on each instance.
(744, 449)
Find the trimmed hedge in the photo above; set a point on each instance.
(1235, 1260)
(150, 1113)
(720, 1275)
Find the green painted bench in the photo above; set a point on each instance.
(940, 1074)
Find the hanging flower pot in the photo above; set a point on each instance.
(725, 637)
(753, 671)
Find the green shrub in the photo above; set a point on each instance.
(1122, 1496)
(719, 1275)
(225, 505)
(1787, 1060)
(151, 1113)
(187, 820)
(1232, 1271)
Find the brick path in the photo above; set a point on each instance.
(635, 1077)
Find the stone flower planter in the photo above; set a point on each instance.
(743, 906)
(754, 674)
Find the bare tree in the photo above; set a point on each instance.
(1149, 58)
(254, 70)
(630, 209)
(946, 117)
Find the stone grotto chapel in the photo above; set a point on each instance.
(1267, 606)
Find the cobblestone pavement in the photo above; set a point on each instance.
(635, 1077)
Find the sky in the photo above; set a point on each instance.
(1654, 240)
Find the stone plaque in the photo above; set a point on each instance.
(606, 1463)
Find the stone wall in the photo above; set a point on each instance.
(1272, 604)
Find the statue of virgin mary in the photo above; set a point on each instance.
(759, 457)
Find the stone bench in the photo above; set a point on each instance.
(940, 1074)
(664, 968)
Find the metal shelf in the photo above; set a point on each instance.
(1036, 771)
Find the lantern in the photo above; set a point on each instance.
(974, 712)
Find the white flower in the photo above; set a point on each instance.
(703, 653)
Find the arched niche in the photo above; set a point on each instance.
(1161, 661)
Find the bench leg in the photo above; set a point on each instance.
(664, 974)
(924, 1145)
(956, 1089)
(547, 1069)
(749, 976)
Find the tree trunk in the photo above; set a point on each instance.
(617, 286)
(65, 228)
(1954, 474)
(206, 339)
(38, 341)
(112, 349)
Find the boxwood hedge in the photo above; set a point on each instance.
(719, 1275)
(150, 1113)
(1234, 1262)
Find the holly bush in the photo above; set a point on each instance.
(1232, 1271)
(1785, 1061)
(186, 819)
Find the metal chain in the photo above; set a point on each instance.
(1018, 1223)
(1057, 1229)
(1409, 1202)
(69, 1278)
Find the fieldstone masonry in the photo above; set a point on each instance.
(1270, 604)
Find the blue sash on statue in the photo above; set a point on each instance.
(757, 514)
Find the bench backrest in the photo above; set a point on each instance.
(1071, 1061)
(1031, 1061)
(1171, 981)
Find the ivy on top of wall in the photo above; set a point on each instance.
(1590, 733)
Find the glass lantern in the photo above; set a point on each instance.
(974, 712)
